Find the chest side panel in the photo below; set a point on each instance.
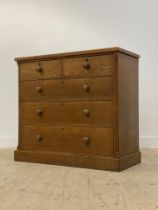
(128, 122)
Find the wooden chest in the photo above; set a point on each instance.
(79, 109)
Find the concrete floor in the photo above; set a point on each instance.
(33, 186)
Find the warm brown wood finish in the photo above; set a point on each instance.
(128, 129)
(79, 113)
(102, 51)
(68, 89)
(79, 109)
(89, 66)
(83, 140)
(40, 70)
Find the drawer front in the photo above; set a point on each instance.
(77, 88)
(40, 70)
(90, 66)
(83, 112)
(82, 140)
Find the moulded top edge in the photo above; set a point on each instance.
(77, 53)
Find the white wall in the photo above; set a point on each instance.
(48, 26)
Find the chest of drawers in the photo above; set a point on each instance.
(79, 109)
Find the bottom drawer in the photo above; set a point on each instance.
(83, 140)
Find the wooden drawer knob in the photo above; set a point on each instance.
(39, 112)
(86, 64)
(86, 112)
(39, 69)
(39, 138)
(85, 87)
(38, 89)
(86, 140)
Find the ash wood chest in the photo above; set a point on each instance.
(79, 109)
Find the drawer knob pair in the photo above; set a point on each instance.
(86, 140)
(86, 64)
(38, 89)
(39, 112)
(39, 138)
(86, 112)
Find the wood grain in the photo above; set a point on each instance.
(94, 161)
(68, 89)
(67, 139)
(103, 51)
(90, 95)
(128, 115)
(48, 69)
(101, 113)
(98, 66)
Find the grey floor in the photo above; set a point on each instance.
(33, 186)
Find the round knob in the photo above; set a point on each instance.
(39, 69)
(85, 87)
(39, 112)
(86, 140)
(39, 138)
(86, 65)
(38, 89)
(86, 112)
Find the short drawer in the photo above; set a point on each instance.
(83, 112)
(77, 88)
(83, 140)
(40, 70)
(89, 66)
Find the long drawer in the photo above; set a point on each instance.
(77, 112)
(58, 89)
(40, 70)
(89, 66)
(84, 140)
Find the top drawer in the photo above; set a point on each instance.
(89, 66)
(40, 70)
